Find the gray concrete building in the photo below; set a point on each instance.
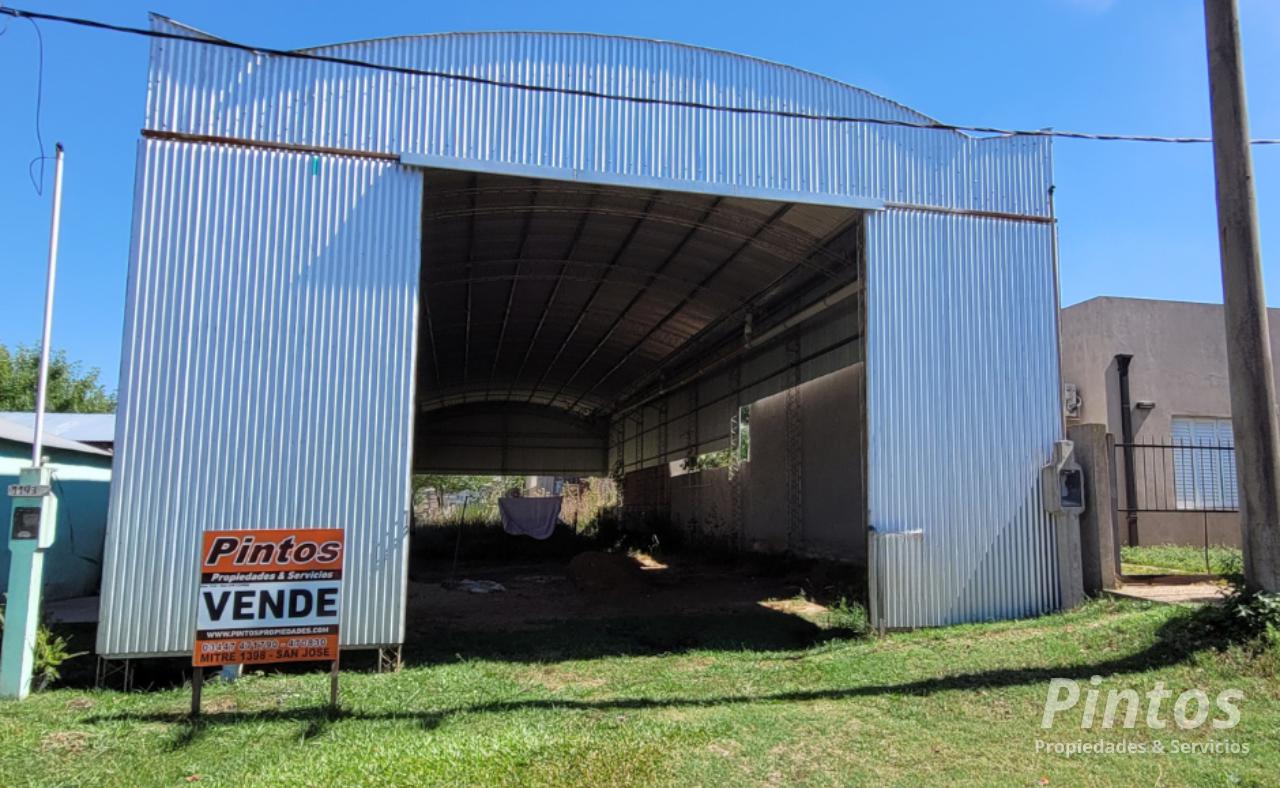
(1171, 356)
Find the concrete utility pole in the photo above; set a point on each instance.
(1253, 412)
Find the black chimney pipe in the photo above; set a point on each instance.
(1126, 438)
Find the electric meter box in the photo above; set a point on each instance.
(1062, 482)
(34, 514)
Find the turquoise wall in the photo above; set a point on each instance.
(82, 482)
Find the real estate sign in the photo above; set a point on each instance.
(269, 596)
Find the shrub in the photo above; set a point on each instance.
(1248, 620)
(848, 616)
(1257, 616)
(50, 652)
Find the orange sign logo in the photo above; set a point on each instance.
(269, 596)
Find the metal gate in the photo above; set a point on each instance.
(1176, 493)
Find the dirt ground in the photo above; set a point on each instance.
(678, 604)
(541, 593)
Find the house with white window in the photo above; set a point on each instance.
(1155, 373)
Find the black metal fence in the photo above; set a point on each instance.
(1176, 477)
(1177, 494)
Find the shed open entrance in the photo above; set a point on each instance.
(594, 335)
(554, 301)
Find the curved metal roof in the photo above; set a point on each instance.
(354, 48)
(631, 130)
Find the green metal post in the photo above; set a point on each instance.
(27, 546)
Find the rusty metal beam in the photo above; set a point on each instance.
(240, 142)
(1012, 217)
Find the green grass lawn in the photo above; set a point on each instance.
(615, 703)
(1180, 559)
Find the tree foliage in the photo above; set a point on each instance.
(72, 389)
(441, 485)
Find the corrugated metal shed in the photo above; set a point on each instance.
(274, 286)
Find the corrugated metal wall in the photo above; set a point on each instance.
(266, 378)
(963, 408)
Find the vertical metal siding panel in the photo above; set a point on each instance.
(962, 392)
(266, 379)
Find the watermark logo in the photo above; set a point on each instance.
(1156, 708)
(1191, 710)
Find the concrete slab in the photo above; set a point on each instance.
(1174, 593)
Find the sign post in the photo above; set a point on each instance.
(268, 596)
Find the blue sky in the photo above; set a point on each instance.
(1136, 220)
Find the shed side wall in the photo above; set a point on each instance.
(266, 378)
(962, 410)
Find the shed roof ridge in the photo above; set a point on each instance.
(725, 53)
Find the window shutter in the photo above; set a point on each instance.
(1204, 474)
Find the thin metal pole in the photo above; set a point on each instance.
(37, 439)
(457, 544)
(1208, 570)
(1249, 365)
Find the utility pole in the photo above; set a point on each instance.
(34, 508)
(46, 335)
(1253, 412)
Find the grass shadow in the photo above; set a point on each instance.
(188, 732)
(753, 629)
(1177, 641)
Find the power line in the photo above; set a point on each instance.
(40, 158)
(583, 93)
